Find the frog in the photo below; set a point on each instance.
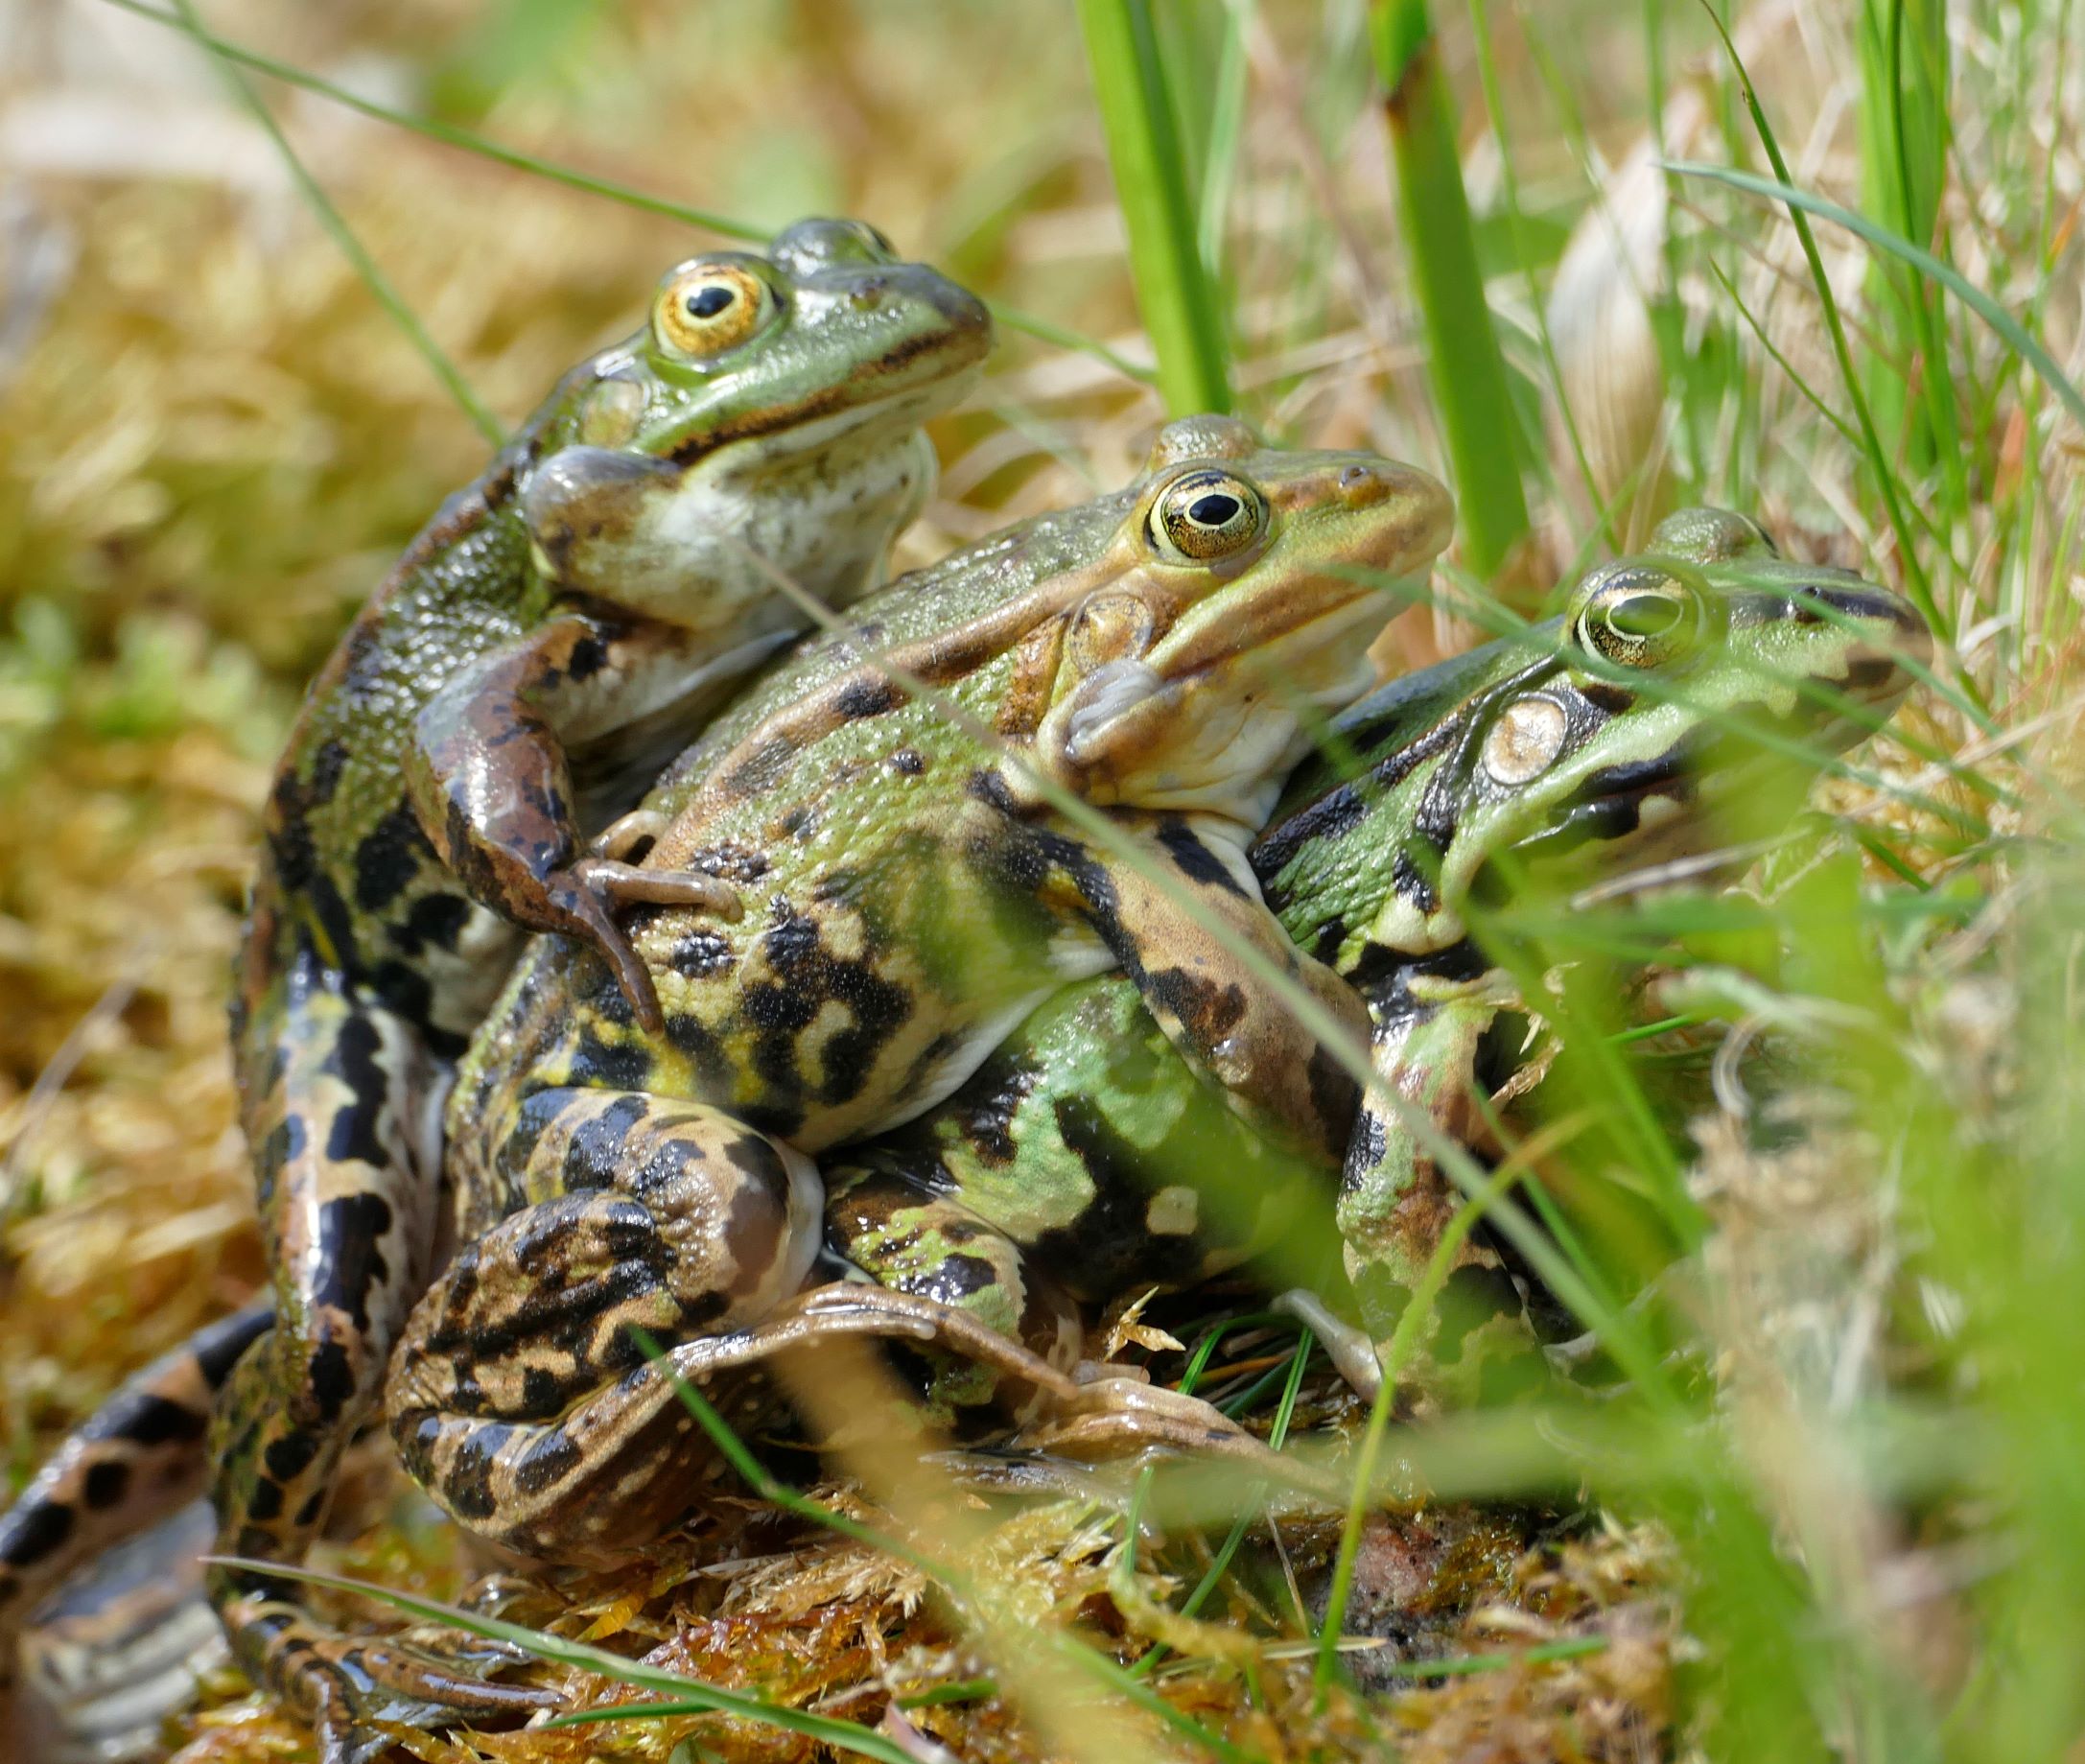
(597, 589)
(1075, 1166)
(1004, 773)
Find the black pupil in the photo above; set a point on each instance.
(1214, 509)
(1643, 615)
(708, 302)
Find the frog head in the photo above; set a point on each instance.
(1669, 680)
(776, 398)
(1234, 601)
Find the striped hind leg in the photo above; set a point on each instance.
(342, 1131)
(136, 1459)
(520, 1397)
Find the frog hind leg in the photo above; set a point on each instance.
(1001, 1331)
(135, 1460)
(521, 1398)
(338, 1122)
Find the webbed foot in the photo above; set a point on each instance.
(352, 1688)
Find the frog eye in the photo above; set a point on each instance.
(1205, 515)
(706, 309)
(1641, 617)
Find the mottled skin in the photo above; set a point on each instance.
(1086, 1155)
(911, 888)
(608, 569)
(1077, 1160)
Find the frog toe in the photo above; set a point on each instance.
(578, 910)
(623, 885)
(364, 1690)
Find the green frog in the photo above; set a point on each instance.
(1086, 1158)
(600, 585)
(1038, 761)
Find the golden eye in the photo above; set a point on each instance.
(1205, 515)
(705, 308)
(1641, 617)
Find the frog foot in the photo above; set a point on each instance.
(352, 1688)
(623, 885)
(1124, 1415)
(582, 899)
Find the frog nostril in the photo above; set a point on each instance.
(1360, 485)
(869, 293)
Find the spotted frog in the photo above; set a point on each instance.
(1039, 761)
(1086, 1158)
(607, 574)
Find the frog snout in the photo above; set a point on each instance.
(1894, 639)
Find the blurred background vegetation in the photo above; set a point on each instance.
(1862, 1535)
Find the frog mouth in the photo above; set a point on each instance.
(921, 372)
(1751, 749)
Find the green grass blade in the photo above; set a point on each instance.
(336, 225)
(826, 1729)
(1883, 467)
(1174, 291)
(1226, 133)
(2009, 329)
(1464, 366)
(463, 140)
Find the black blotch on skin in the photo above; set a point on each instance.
(388, 858)
(436, 921)
(1411, 885)
(332, 1377)
(353, 1137)
(609, 1066)
(30, 1533)
(350, 1267)
(106, 1483)
(1206, 1010)
(1194, 859)
(871, 698)
(467, 1486)
(541, 1394)
(908, 761)
(1109, 1246)
(328, 763)
(146, 1419)
(408, 993)
(290, 1456)
(1472, 1295)
(699, 955)
(552, 1456)
(955, 1278)
(593, 1154)
(588, 657)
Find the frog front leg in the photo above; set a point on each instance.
(1396, 1203)
(1188, 937)
(136, 1458)
(490, 780)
